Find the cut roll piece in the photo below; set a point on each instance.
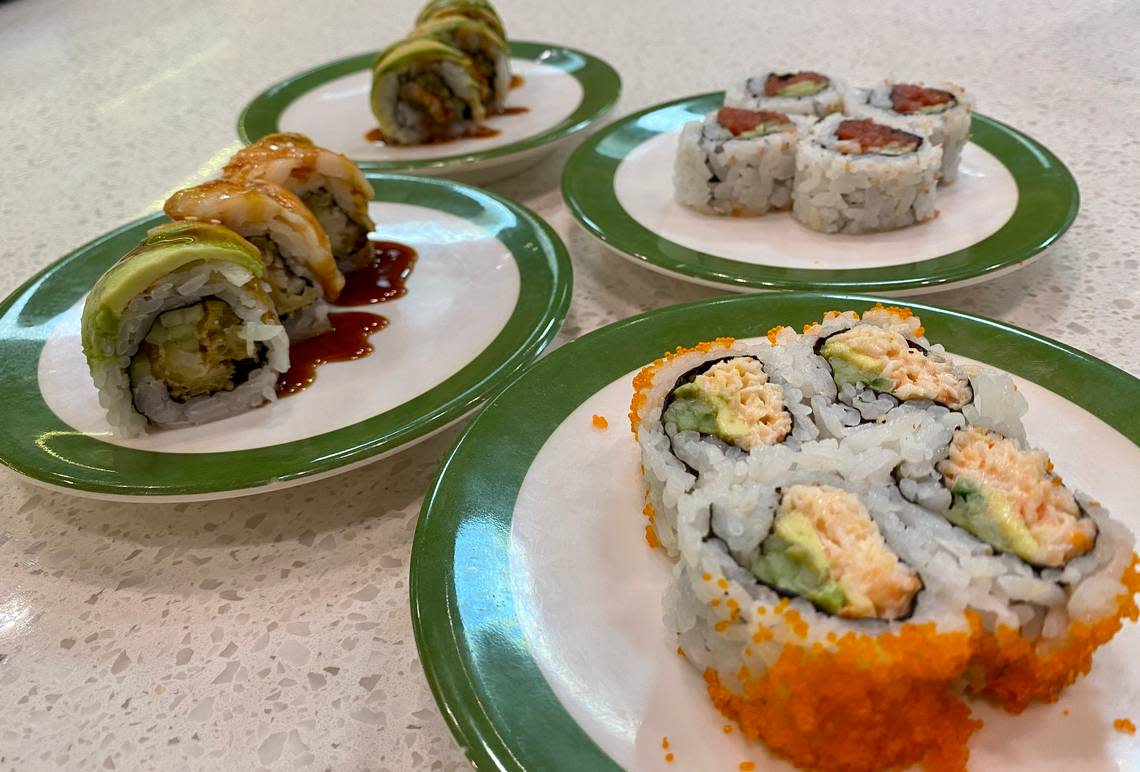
(943, 111)
(328, 183)
(426, 91)
(737, 162)
(300, 268)
(180, 332)
(478, 10)
(863, 176)
(487, 50)
(800, 92)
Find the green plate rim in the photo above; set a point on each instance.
(484, 679)
(37, 444)
(601, 88)
(1048, 202)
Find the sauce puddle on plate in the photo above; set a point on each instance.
(384, 279)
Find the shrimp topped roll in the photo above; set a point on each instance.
(426, 91)
(328, 183)
(180, 331)
(299, 264)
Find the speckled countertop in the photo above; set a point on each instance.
(274, 631)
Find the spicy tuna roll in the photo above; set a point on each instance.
(944, 111)
(737, 162)
(426, 91)
(328, 183)
(180, 332)
(863, 176)
(800, 92)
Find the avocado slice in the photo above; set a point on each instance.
(792, 559)
(803, 88)
(849, 366)
(989, 515)
(165, 249)
(696, 410)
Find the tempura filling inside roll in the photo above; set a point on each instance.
(1011, 499)
(347, 238)
(824, 547)
(731, 399)
(885, 361)
(427, 101)
(289, 287)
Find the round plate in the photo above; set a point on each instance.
(563, 91)
(489, 290)
(1013, 198)
(537, 604)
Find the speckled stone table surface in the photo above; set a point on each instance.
(274, 631)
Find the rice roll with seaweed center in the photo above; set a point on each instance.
(426, 91)
(180, 332)
(737, 162)
(328, 183)
(299, 265)
(942, 111)
(825, 547)
(863, 176)
(487, 51)
(801, 92)
(477, 10)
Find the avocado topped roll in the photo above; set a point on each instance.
(883, 360)
(328, 183)
(733, 400)
(1010, 498)
(299, 265)
(426, 91)
(825, 547)
(180, 332)
(487, 50)
(477, 10)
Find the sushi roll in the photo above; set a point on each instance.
(426, 91)
(328, 183)
(180, 331)
(477, 10)
(299, 265)
(737, 162)
(797, 92)
(872, 546)
(943, 110)
(863, 176)
(487, 51)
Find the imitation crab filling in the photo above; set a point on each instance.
(1009, 498)
(733, 400)
(197, 350)
(907, 98)
(887, 362)
(825, 547)
(749, 124)
(858, 137)
(795, 84)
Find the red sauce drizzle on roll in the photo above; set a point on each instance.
(908, 98)
(740, 121)
(347, 340)
(775, 84)
(383, 279)
(872, 137)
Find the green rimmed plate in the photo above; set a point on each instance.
(563, 91)
(537, 605)
(490, 288)
(1013, 199)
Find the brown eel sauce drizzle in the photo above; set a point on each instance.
(375, 135)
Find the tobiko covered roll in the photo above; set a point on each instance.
(737, 162)
(862, 535)
(426, 91)
(299, 265)
(180, 332)
(478, 10)
(862, 176)
(328, 183)
(943, 111)
(801, 92)
(487, 51)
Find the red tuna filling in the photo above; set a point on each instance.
(740, 121)
(874, 137)
(908, 98)
(776, 85)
